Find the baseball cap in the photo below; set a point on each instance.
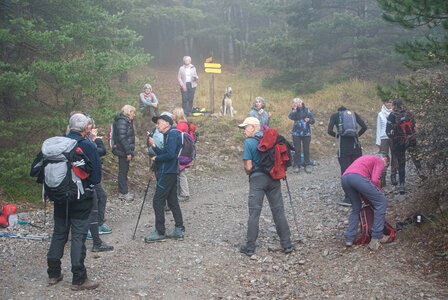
(166, 116)
(249, 121)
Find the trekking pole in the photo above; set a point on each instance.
(21, 236)
(293, 211)
(143, 203)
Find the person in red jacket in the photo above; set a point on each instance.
(183, 125)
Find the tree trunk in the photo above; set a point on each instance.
(231, 45)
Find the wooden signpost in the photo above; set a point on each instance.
(212, 68)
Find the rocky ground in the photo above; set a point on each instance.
(208, 265)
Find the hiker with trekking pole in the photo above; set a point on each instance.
(166, 188)
(262, 183)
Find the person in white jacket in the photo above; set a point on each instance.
(382, 140)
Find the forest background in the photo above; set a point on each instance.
(58, 56)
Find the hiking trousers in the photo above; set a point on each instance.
(166, 192)
(102, 199)
(187, 99)
(354, 185)
(184, 191)
(298, 141)
(78, 228)
(93, 221)
(399, 158)
(261, 184)
(123, 169)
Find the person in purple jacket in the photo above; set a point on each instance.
(363, 177)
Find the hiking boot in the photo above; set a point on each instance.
(55, 280)
(177, 234)
(103, 247)
(104, 229)
(155, 237)
(183, 198)
(402, 190)
(289, 249)
(244, 250)
(296, 169)
(375, 243)
(345, 202)
(89, 235)
(126, 197)
(393, 179)
(307, 169)
(87, 285)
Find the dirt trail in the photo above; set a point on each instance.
(208, 265)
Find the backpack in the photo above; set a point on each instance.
(60, 167)
(188, 150)
(366, 223)
(111, 136)
(194, 133)
(403, 122)
(275, 157)
(8, 216)
(346, 125)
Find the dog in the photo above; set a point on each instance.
(227, 102)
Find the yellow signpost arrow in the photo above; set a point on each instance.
(212, 68)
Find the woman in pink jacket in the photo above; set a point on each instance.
(362, 177)
(187, 77)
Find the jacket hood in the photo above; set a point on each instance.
(121, 116)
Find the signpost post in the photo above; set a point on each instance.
(212, 68)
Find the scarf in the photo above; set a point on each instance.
(386, 111)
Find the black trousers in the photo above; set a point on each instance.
(348, 157)
(78, 228)
(399, 158)
(123, 169)
(298, 141)
(166, 192)
(187, 98)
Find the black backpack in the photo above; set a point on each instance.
(267, 158)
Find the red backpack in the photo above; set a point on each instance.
(366, 223)
(6, 212)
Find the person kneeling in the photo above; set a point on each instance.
(362, 178)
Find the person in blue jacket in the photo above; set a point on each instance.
(166, 188)
(301, 133)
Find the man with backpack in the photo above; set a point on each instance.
(72, 215)
(166, 188)
(261, 184)
(347, 135)
(400, 128)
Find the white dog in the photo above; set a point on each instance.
(227, 102)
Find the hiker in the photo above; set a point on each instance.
(349, 147)
(149, 106)
(382, 140)
(183, 125)
(96, 217)
(187, 77)
(124, 138)
(261, 184)
(401, 129)
(301, 134)
(259, 113)
(76, 220)
(166, 188)
(362, 177)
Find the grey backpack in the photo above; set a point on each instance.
(347, 125)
